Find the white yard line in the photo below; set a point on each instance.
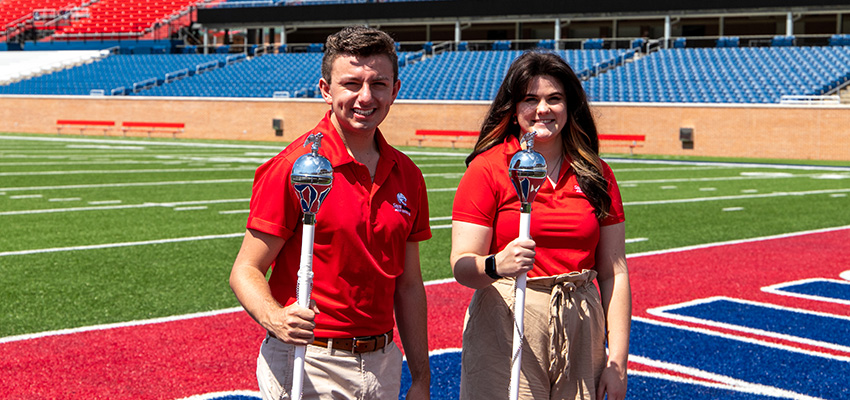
(125, 206)
(124, 244)
(128, 184)
(125, 171)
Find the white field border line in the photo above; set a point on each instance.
(728, 164)
(124, 244)
(726, 382)
(152, 321)
(276, 149)
(124, 206)
(143, 142)
(129, 184)
(131, 244)
(126, 171)
(743, 339)
(218, 395)
(736, 197)
(777, 289)
(664, 312)
(739, 241)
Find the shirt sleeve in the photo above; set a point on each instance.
(422, 224)
(476, 200)
(616, 214)
(275, 208)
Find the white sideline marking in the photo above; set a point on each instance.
(777, 289)
(104, 202)
(124, 244)
(25, 196)
(219, 395)
(119, 325)
(57, 200)
(665, 312)
(126, 171)
(733, 209)
(736, 197)
(726, 382)
(234, 212)
(192, 208)
(739, 241)
(122, 206)
(130, 184)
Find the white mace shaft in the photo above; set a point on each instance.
(519, 313)
(305, 284)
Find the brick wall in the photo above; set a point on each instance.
(771, 131)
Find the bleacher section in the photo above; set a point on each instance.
(40, 12)
(266, 3)
(724, 75)
(121, 18)
(476, 75)
(680, 75)
(116, 74)
(288, 74)
(15, 66)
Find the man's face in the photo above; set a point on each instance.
(360, 92)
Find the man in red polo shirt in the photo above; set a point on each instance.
(366, 252)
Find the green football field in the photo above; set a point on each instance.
(98, 230)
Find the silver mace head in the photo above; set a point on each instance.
(527, 171)
(312, 176)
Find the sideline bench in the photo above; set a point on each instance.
(82, 125)
(153, 127)
(446, 136)
(631, 141)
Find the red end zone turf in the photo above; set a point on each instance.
(176, 359)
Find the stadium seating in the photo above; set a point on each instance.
(116, 74)
(707, 75)
(15, 66)
(724, 75)
(476, 75)
(282, 75)
(123, 18)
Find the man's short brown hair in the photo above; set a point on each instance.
(358, 41)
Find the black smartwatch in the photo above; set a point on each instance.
(490, 267)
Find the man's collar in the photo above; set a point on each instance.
(334, 148)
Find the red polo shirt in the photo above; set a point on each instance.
(563, 223)
(360, 236)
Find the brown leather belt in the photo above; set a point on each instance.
(357, 345)
(354, 345)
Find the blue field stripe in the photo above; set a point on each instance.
(770, 319)
(745, 360)
(445, 384)
(821, 288)
(643, 387)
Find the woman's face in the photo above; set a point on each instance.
(543, 109)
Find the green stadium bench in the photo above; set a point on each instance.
(153, 127)
(446, 136)
(82, 125)
(630, 141)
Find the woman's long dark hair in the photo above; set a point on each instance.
(580, 139)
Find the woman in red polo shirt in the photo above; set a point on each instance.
(578, 235)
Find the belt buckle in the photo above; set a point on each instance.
(370, 343)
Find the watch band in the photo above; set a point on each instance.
(490, 267)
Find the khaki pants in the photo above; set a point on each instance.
(330, 374)
(563, 352)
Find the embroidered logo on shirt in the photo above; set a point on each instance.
(577, 189)
(401, 206)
